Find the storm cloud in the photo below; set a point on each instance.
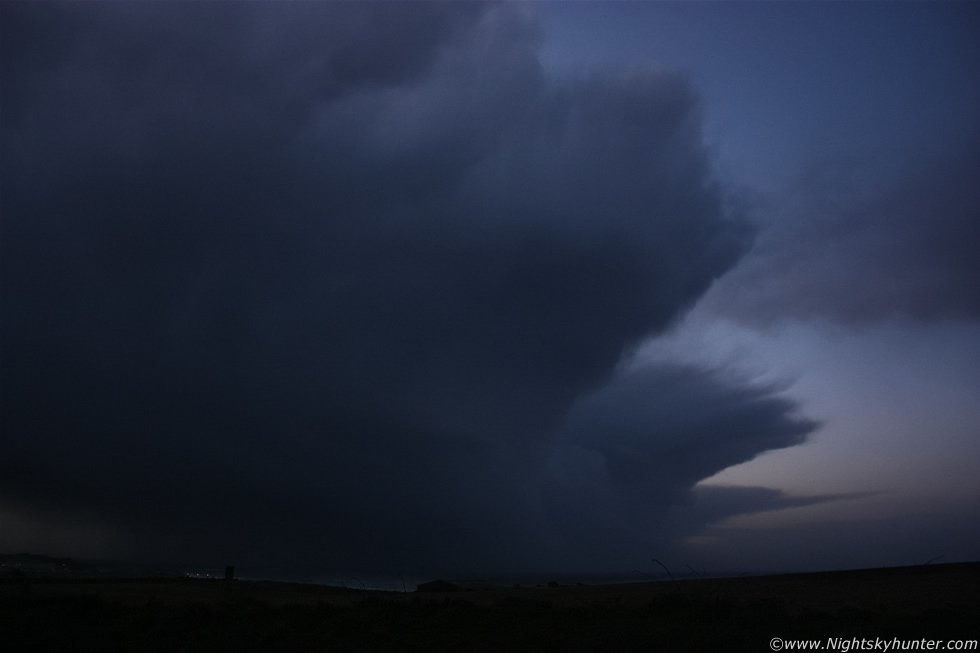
(353, 283)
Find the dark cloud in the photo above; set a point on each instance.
(349, 283)
(859, 251)
(712, 504)
(613, 486)
(911, 538)
(631, 452)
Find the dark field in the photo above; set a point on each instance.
(735, 614)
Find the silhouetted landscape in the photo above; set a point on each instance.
(939, 601)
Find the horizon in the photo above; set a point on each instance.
(131, 569)
(401, 288)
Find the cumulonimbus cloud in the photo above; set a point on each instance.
(350, 283)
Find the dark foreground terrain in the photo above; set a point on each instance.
(940, 602)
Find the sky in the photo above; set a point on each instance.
(458, 288)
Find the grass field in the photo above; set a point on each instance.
(734, 614)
